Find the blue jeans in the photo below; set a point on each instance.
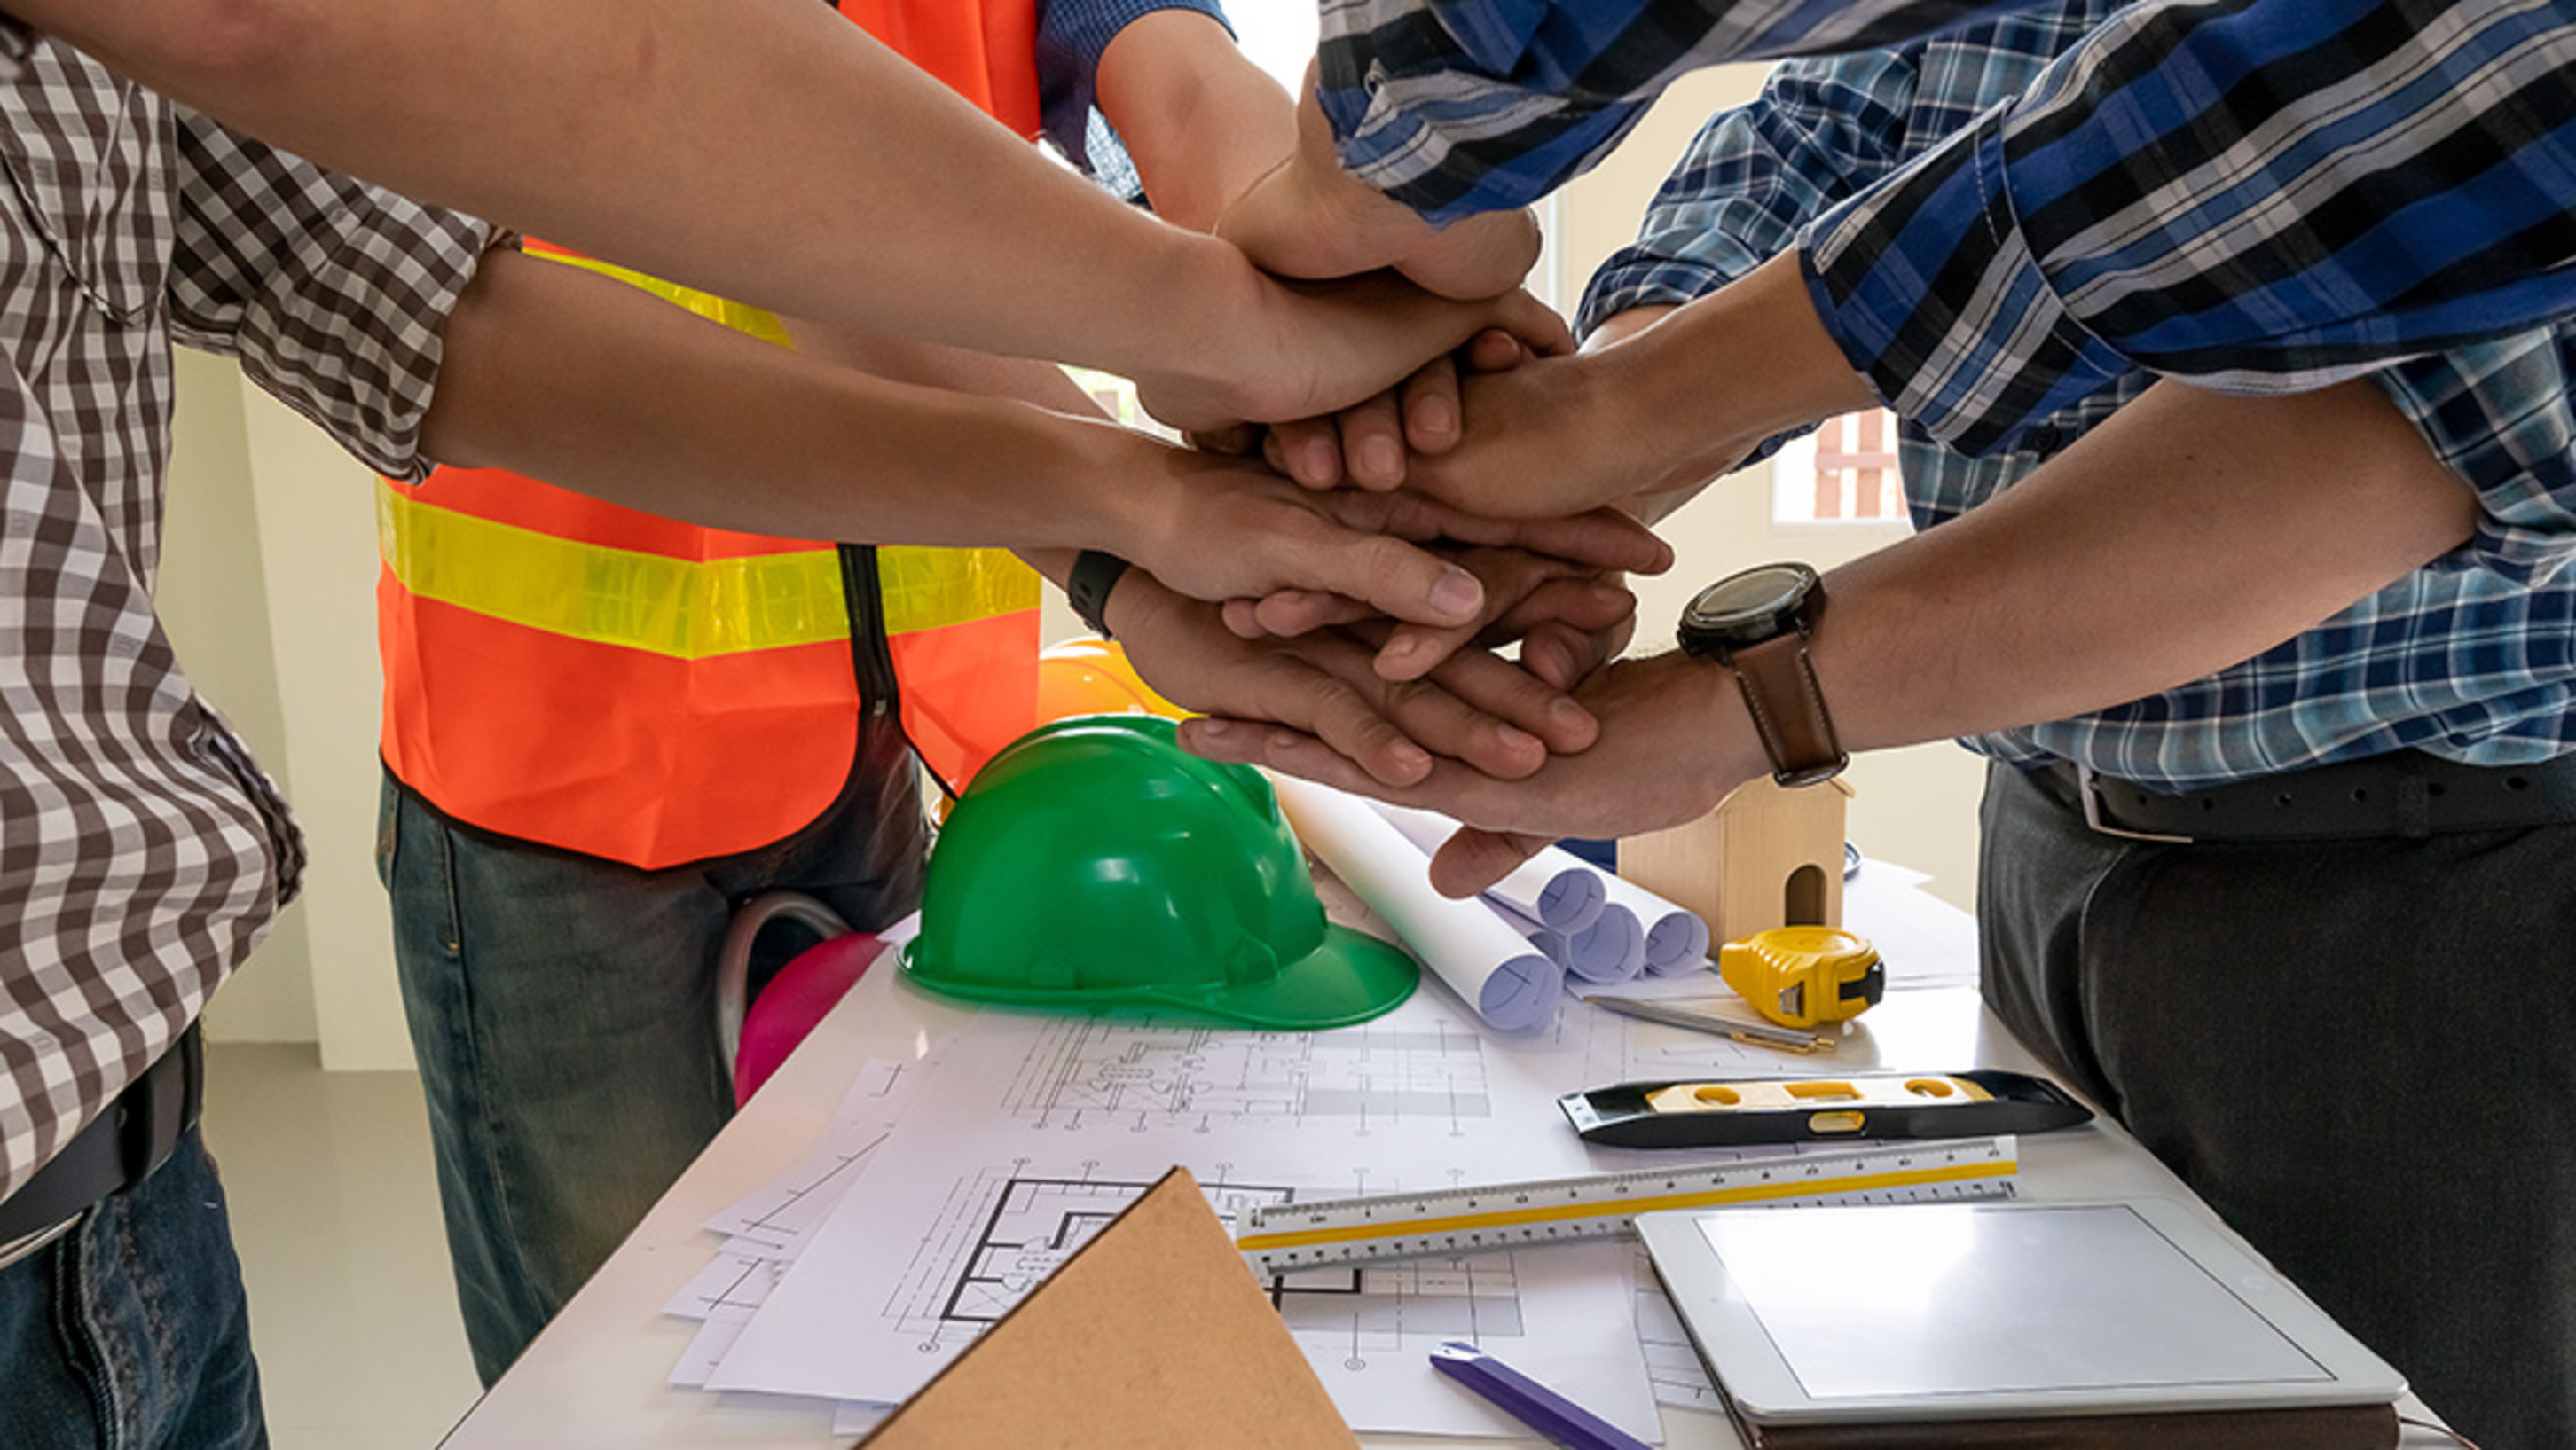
(2357, 1052)
(562, 1011)
(130, 1330)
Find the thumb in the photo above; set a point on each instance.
(1471, 860)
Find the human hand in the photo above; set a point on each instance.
(1227, 528)
(1479, 711)
(1300, 350)
(1367, 444)
(1669, 750)
(1310, 218)
(1582, 613)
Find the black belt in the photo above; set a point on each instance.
(2405, 793)
(122, 1145)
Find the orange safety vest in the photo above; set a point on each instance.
(586, 676)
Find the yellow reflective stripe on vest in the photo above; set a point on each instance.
(740, 316)
(925, 588)
(675, 607)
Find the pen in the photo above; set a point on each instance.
(1552, 1415)
(1761, 1034)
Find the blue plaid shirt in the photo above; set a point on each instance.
(2473, 658)
(2260, 195)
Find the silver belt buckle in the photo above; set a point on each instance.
(2088, 789)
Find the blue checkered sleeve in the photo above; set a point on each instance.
(1461, 106)
(1819, 132)
(2258, 195)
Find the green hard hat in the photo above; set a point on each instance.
(1094, 864)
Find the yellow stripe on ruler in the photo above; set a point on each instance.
(1623, 1207)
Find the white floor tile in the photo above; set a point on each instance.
(335, 1212)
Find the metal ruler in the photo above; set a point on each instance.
(1286, 1237)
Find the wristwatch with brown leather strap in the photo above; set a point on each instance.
(1758, 623)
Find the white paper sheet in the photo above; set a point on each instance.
(1677, 939)
(1029, 1129)
(1555, 888)
(1612, 949)
(1488, 965)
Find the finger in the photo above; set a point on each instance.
(1495, 351)
(1562, 656)
(1292, 612)
(1589, 604)
(1412, 651)
(1501, 690)
(1290, 695)
(1308, 450)
(1472, 860)
(1242, 618)
(1430, 404)
(1531, 321)
(1254, 742)
(1479, 714)
(1450, 724)
(1599, 538)
(1396, 578)
(1373, 443)
(1603, 538)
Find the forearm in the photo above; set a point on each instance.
(2190, 532)
(557, 373)
(668, 134)
(1200, 120)
(954, 369)
(1669, 407)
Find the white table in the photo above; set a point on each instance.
(596, 1376)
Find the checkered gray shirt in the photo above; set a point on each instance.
(142, 853)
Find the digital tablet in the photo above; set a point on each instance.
(1974, 1310)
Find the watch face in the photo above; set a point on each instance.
(1754, 595)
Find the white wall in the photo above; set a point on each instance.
(268, 591)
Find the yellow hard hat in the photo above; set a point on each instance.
(1090, 676)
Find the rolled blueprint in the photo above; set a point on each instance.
(1556, 888)
(1550, 942)
(1611, 949)
(1510, 983)
(1676, 938)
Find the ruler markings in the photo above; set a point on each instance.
(1279, 1237)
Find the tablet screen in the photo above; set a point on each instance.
(1962, 1299)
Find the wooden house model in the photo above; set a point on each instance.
(1767, 856)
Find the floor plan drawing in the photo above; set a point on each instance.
(1004, 1232)
(1087, 1071)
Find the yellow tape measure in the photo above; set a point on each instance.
(1799, 976)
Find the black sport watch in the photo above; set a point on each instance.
(1758, 623)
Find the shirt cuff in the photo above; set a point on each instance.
(1927, 284)
(1632, 279)
(1423, 140)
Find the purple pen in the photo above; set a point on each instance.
(1552, 1415)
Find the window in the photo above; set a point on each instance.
(1844, 472)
